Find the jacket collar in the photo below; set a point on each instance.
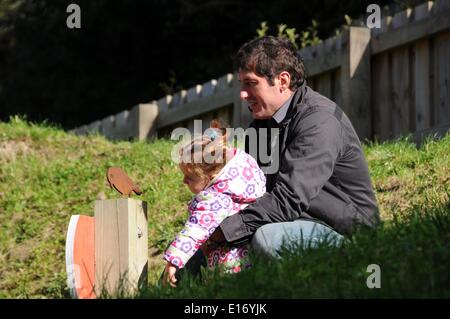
(282, 111)
(296, 99)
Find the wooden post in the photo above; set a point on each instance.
(143, 121)
(121, 247)
(356, 78)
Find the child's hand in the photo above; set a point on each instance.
(169, 275)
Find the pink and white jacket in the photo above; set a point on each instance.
(239, 183)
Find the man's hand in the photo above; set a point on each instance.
(169, 275)
(215, 240)
(206, 249)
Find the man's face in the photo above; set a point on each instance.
(263, 99)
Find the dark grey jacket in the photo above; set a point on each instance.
(323, 175)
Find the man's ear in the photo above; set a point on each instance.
(285, 80)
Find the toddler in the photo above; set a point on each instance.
(225, 180)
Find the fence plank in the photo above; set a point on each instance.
(95, 127)
(411, 32)
(164, 103)
(225, 81)
(108, 126)
(336, 84)
(422, 75)
(80, 130)
(193, 93)
(206, 120)
(323, 57)
(381, 93)
(189, 125)
(400, 91)
(442, 79)
(440, 5)
(423, 10)
(209, 88)
(195, 109)
(324, 84)
(178, 99)
(312, 82)
(422, 85)
(224, 115)
(122, 129)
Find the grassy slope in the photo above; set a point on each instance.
(47, 175)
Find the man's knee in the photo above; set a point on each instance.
(269, 239)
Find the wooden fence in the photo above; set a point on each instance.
(390, 81)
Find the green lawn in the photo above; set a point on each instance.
(47, 175)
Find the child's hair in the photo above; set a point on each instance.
(206, 155)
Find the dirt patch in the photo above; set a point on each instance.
(21, 252)
(10, 150)
(392, 183)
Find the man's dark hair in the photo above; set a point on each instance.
(269, 56)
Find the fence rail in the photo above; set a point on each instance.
(390, 81)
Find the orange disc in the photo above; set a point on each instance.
(80, 257)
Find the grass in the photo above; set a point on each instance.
(47, 175)
(413, 256)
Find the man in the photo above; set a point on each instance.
(322, 187)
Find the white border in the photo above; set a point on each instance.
(70, 241)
